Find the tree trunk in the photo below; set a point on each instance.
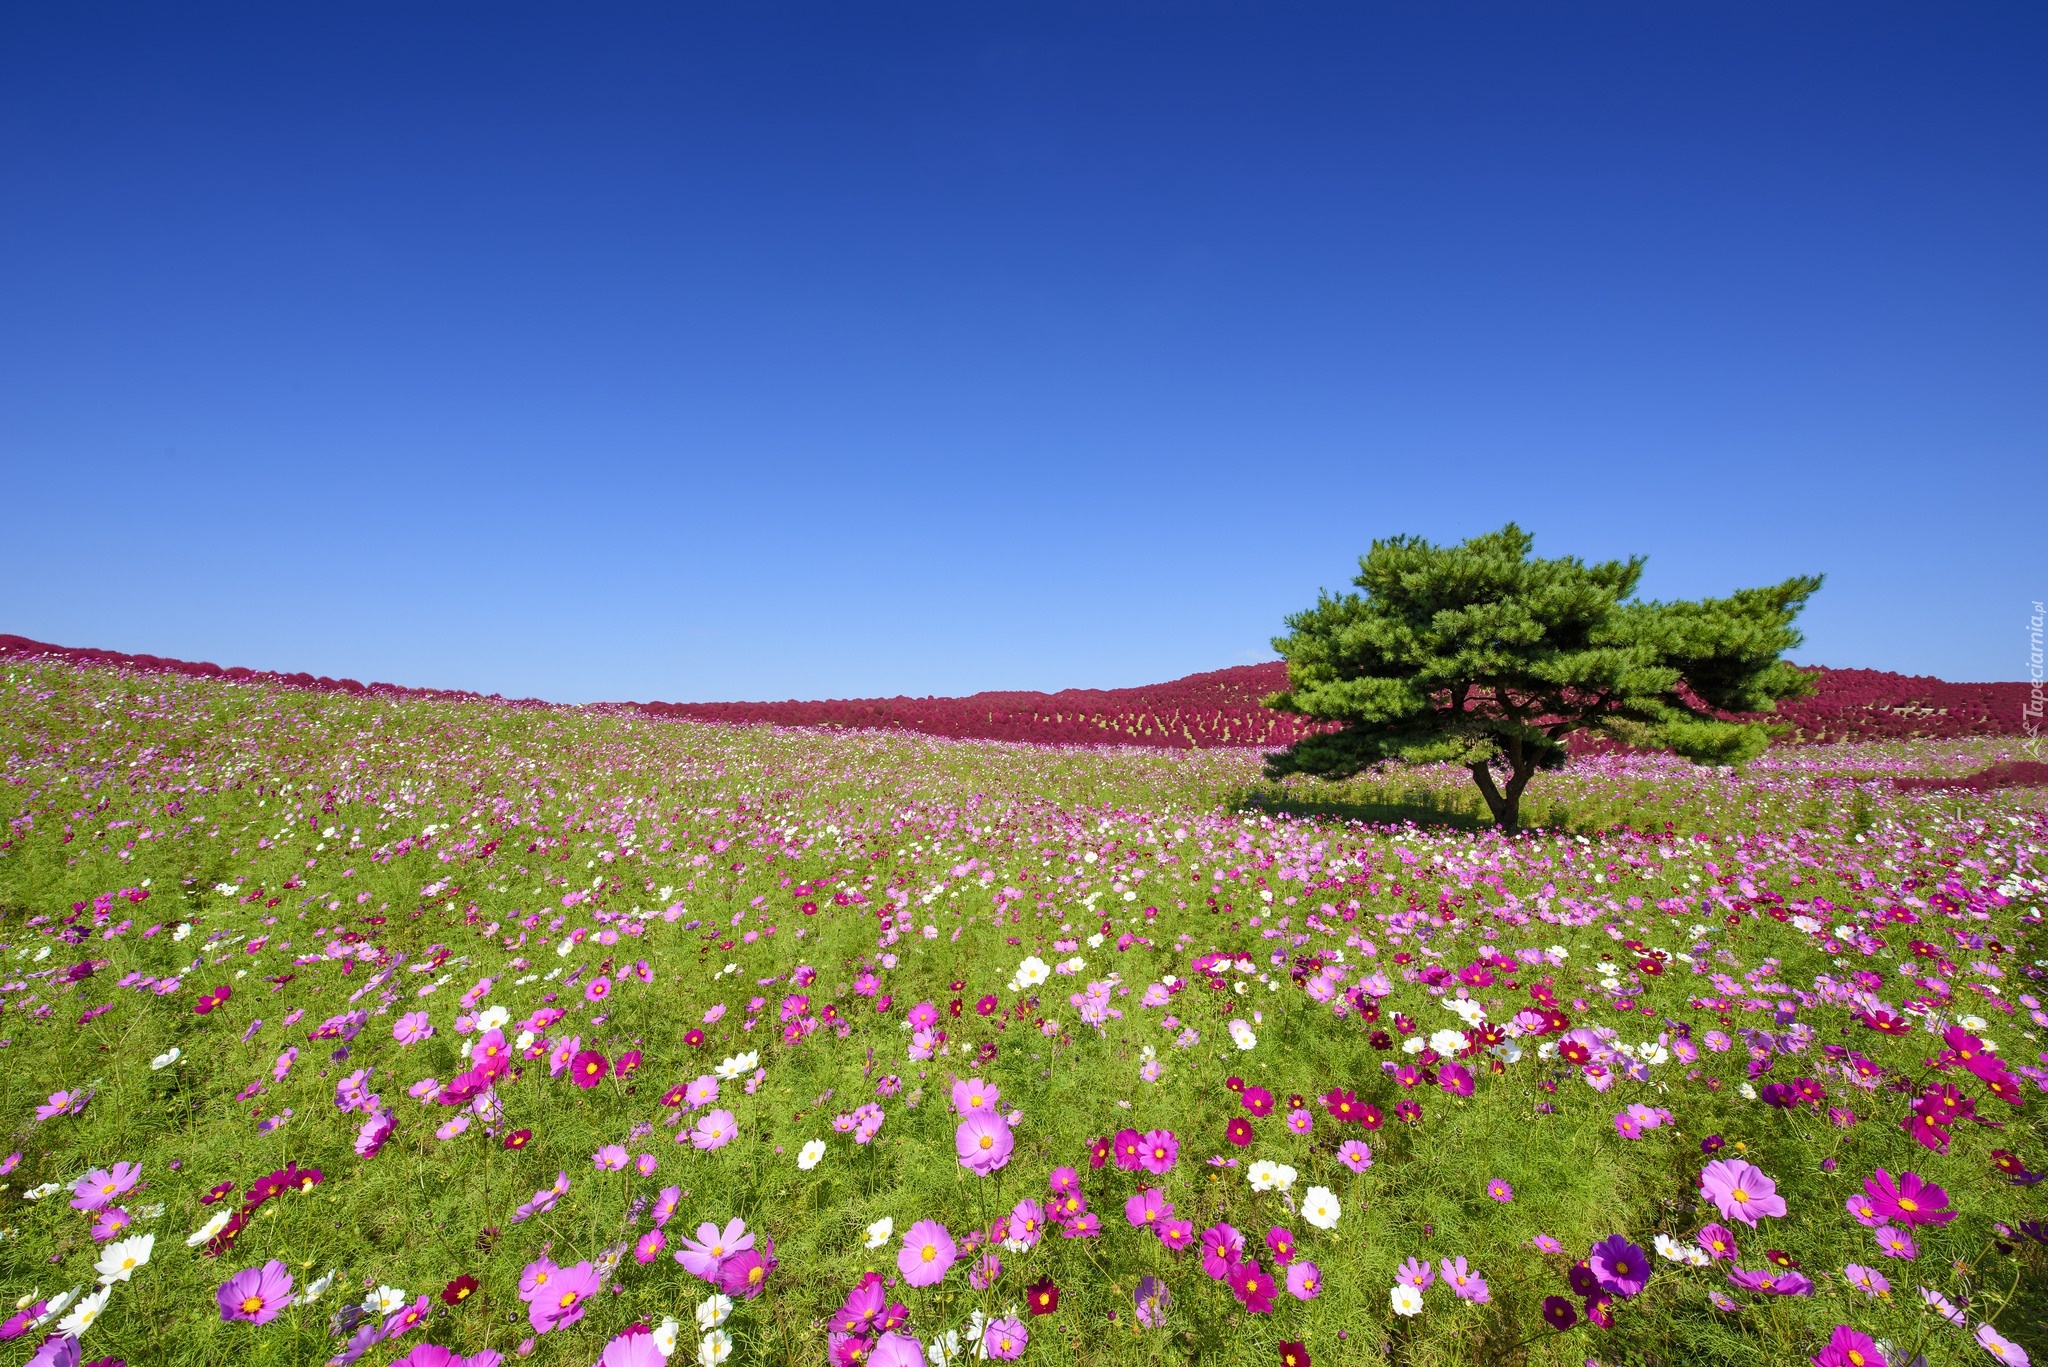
(1505, 806)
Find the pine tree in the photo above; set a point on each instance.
(1481, 654)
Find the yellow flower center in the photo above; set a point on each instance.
(251, 1304)
(974, 1100)
(568, 1299)
(988, 1141)
(1908, 1204)
(1738, 1195)
(930, 1252)
(755, 1273)
(1856, 1358)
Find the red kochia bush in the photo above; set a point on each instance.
(1219, 708)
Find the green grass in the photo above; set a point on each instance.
(211, 769)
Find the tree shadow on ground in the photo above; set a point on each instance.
(1419, 807)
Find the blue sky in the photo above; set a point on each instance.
(763, 351)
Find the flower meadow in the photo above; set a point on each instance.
(339, 1027)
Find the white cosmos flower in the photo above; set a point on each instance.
(166, 1058)
(385, 1300)
(665, 1335)
(57, 1305)
(1266, 1175)
(943, 1349)
(738, 1066)
(1466, 1010)
(1447, 1042)
(119, 1260)
(1241, 1035)
(493, 1019)
(84, 1313)
(1669, 1248)
(1407, 1300)
(315, 1290)
(713, 1310)
(208, 1230)
(1029, 974)
(810, 1155)
(1320, 1208)
(716, 1348)
(1747, 1092)
(46, 1189)
(881, 1231)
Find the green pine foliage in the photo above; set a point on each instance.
(1485, 656)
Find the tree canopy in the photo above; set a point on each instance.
(1481, 654)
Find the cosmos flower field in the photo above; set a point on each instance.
(341, 1028)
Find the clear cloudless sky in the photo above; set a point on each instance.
(606, 351)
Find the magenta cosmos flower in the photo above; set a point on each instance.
(714, 1130)
(1619, 1266)
(1741, 1191)
(1027, 1222)
(1161, 1151)
(1910, 1200)
(927, 1252)
(256, 1294)
(983, 1142)
(1500, 1190)
(1848, 1348)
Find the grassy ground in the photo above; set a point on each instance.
(319, 854)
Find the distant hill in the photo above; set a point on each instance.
(1220, 707)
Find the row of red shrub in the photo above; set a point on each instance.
(21, 647)
(1218, 708)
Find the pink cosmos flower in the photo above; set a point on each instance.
(597, 989)
(1719, 1242)
(1416, 1273)
(896, 1350)
(1027, 1223)
(714, 1130)
(649, 1246)
(665, 1205)
(928, 1250)
(1177, 1235)
(256, 1294)
(984, 1142)
(1464, 1283)
(1355, 1155)
(1895, 1243)
(632, 1349)
(1148, 1207)
(1499, 1190)
(99, 1188)
(705, 1255)
(610, 1158)
(1299, 1122)
(1868, 1279)
(564, 1301)
(701, 1092)
(1304, 1281)
(975, 1097)
(1005, 1338)
(1741, 1191)
(412, 1027)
